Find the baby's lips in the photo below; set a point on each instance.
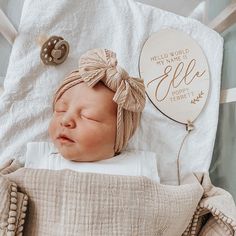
(65, 137)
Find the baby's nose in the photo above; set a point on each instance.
(68, 122)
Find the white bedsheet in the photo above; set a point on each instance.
(122, 26)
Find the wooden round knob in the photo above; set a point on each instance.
(54, 51)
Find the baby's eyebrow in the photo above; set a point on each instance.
(91, 110)
(59, 103)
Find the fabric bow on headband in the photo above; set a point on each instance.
(101, 65)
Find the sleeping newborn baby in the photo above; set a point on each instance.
(96, 110)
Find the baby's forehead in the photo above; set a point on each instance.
(98, 96)
(83, 92)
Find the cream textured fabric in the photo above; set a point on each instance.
(13, 206)
(212, 228)
(215, 214)
(71, 203)
(101, 65)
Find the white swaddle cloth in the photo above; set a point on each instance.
(44, 155)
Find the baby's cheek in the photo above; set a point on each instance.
(95, 137)
(52, 128)
(92, 136)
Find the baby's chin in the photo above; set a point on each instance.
(80, 157)
(68, 154)
(72, 155)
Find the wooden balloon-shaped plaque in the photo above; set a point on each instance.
(176, 74)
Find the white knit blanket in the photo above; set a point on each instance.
(122, 26)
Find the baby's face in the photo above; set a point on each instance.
(83, 126)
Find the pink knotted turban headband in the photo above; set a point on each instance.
(101, 65)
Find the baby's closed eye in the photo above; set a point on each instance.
(60, 110)
(88, 116)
